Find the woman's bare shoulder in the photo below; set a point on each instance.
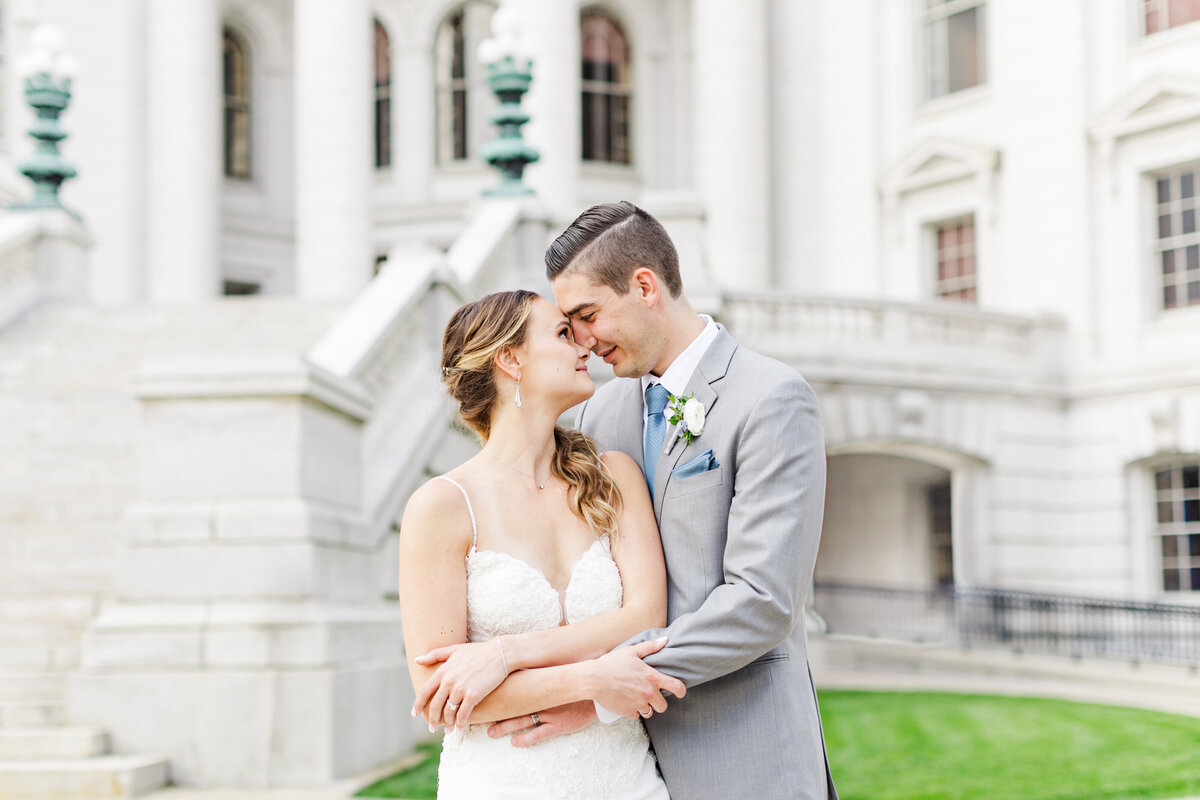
(438, 508)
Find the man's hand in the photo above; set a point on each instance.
(552, 722)
(628, 686)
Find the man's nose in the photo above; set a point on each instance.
(583, 335)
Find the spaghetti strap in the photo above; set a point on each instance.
(470, 510)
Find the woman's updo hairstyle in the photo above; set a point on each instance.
(475, 334)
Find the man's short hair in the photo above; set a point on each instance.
(611, 240)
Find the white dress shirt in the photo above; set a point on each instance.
(676, 377)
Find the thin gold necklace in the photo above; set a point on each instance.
(539, 484)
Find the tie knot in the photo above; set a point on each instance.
(656, 398)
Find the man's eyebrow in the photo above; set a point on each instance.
(579, 307)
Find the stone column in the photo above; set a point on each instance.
(333, 124)
(731, 83)
(184, 168)
(413, 135)
(552, 31)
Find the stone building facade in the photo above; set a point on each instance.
(971, 224)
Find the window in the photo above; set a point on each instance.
(1177, 492)
(1177, 243)
(464, 101)
(954, 43)
(606, 91)
(956, 277)
(941, 537)
(383, 98)
(236, 75)
(239, 288)
(1163, 14)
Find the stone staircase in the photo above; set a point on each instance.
(101, 494)
(68, 470)
(72, 763)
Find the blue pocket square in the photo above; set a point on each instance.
(696, 466)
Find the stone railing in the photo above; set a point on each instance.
(42, 256)
(388, 343)
(837, 335)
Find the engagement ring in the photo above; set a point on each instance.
(453, 706)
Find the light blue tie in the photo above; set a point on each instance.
(656, 429)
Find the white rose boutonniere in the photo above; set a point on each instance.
(688, 414)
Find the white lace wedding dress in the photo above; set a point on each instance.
(506, 596)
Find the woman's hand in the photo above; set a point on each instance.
(468, 673)
(628, 686)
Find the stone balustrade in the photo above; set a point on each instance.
(842, 338)
(43, 255)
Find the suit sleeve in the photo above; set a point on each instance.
(771, 547)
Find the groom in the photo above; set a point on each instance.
(738, 497)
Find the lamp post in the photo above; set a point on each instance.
(510, 68)
(47, 75)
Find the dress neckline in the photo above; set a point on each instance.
(561, 595)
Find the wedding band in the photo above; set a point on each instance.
(453, 706)
(535, 719)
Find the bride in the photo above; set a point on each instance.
(524, 566)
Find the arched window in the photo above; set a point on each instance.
(463, 100)
(607, 95)
(236, 74)
(383, 97)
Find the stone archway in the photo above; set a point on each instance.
(888, 522)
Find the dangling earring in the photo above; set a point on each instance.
(517, 399)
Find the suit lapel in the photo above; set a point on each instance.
(711, 369)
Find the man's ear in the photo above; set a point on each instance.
(644, 281)
(508, 361)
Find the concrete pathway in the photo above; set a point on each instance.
(1062, 689)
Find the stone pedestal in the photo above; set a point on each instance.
(247, 638)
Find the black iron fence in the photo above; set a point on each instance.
(1022, 621)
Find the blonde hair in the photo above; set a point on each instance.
(476, 334)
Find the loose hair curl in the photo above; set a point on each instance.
(476, 334)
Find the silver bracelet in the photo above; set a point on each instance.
(503, 660)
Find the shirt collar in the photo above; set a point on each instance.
(676, 377)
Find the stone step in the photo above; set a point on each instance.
(37, 568)
(58, 584)
(39, 744)
(49, 632)
(42, 546)
(22, 659)
(75, 779)
(31, 713)
(32, 686)
(49, 607)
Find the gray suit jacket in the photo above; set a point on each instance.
(740, 542)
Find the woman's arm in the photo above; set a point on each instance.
(473, 671)
(435, 535)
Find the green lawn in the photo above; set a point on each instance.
(928, 746)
